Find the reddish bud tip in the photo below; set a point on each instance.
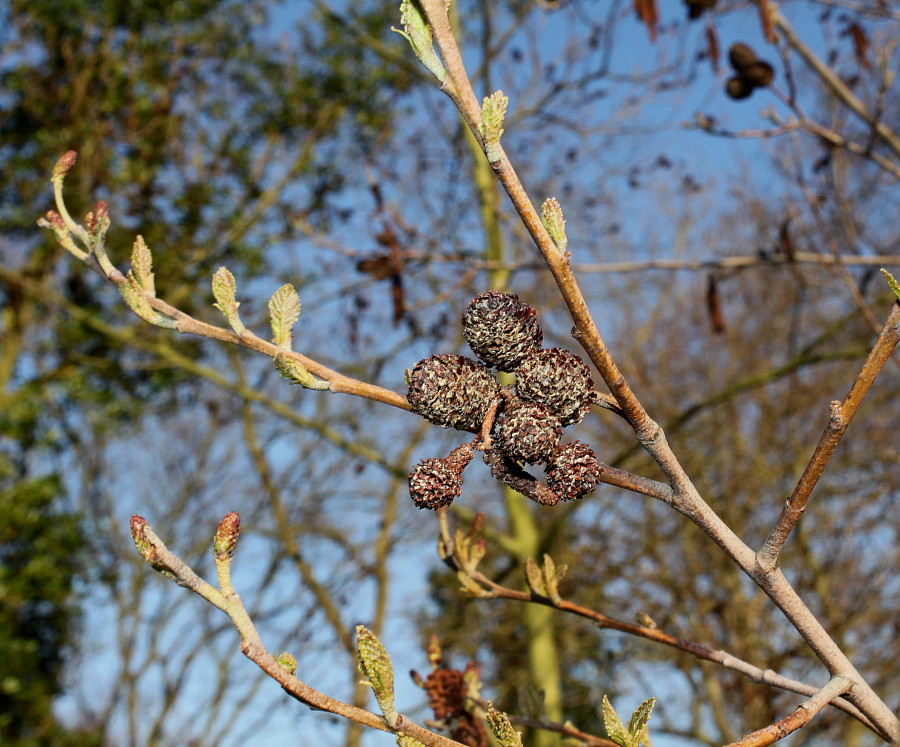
(55, 220)
(227, 536)
(102, 210)
(138, 523)
(64, 164)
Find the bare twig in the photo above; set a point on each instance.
(841, 415)
(604, 622)
(836, 85)
(801, 717)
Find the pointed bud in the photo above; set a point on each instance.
(287, 662)
(493, 112)
(555, 223)
(64, 165)
(142, 266)
(55, 223)
(225, 291)
(140, 542)
(375, 664)
(226, 537)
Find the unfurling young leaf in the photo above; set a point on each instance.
(284, 308)
(375, 664)
(534, 577)
(493, 112)
(225, 291)
(892, 281)
(142, 266)
(639, 719)
(552, 577)
(294, 372)
(134, 296)
(502, 729)
(287, 662)
(615, 729)
(417, 32)
(405, 741)
(555, 223)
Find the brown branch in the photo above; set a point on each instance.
(841, 415)
(697, 650)
(799, 718)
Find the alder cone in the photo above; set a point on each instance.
(501, 329)
(759, 74)
(558, 379)
(738, 88)
(741, 56)
(446, 690)
(434, 483)
(526, 431)
(451, 391)
(573, 471)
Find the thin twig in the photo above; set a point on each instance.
(841, 415)
(604, 622)
(836, 85)
(801, 717)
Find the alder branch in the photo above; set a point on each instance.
(52, 299)
(495, 590)
(841, 415)
(687, 499)
(801, 717)
(224, 598)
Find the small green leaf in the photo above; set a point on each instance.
(417, 32)
(134, 296)
(287, 662)
(639, 719)
(534, 577)
(405, 741)
(501, 728)
(292, 370)
(142, 266)
(471, 587)
(225, 292)
(375, 664)
(555, 223)
(284, 308)
(892, 281)
(551, 579)
(615, 729)
(493, 112)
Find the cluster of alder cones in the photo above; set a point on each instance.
(750, 72)
(518, 425)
